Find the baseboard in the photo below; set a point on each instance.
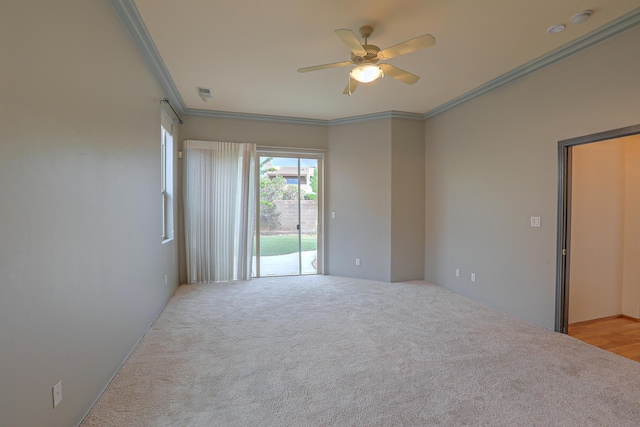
(127, 356)
(600, 319)
(617, 316)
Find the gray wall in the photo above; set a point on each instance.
(254, 131)
(81, 261)
(81, 264)
(407, 200)
(374, 181)
(375, 175)
(492, 163)
(263, 133)
(358, 178)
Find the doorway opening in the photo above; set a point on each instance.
(288, 239)
(598, 294)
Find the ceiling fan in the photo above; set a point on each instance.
(366, 57)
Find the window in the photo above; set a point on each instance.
(166, 178)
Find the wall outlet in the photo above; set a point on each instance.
(357, 261)
(535, 221)
(57, 393)
(457, 272)
(473, 277)
(333, 214)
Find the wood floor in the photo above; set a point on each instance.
(619, 335)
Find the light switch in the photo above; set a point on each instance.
(535, 221)
(57, 393)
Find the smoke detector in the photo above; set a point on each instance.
(205, 93)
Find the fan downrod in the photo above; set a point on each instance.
(366, 31)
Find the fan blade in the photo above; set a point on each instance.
(409, 46)
(351, 41)
(399, 74)
(351, 86)
(322, 67)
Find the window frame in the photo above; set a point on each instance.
(166, 177)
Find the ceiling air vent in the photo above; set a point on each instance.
(205, 93)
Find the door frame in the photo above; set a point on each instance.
(564, 216)
(308, 153)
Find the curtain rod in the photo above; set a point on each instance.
(166, 100)
(291, 149)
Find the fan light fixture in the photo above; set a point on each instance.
(365, 58)
(367, 73)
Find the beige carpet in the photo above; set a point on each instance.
(332, 351)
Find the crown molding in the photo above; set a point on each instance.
(615, 27)
(130, 17)
(377, 116)
(132, 21)
(260, 117)
(304, 121)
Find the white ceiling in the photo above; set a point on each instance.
(248, 51)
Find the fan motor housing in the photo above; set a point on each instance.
(370, 58)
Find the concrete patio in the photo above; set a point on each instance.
(285, 265)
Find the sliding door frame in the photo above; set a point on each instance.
(319, 154)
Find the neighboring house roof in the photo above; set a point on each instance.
(290, 171)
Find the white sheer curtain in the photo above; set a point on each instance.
(219, 210)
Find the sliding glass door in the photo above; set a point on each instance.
(288, 234)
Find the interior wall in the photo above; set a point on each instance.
(170, 251)
(358, 178)
(374, 181)
(631, 235)
(597, 230)
(492, 163)
(255, 131)
(81, 260)
(407, 200)
(264, 133)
